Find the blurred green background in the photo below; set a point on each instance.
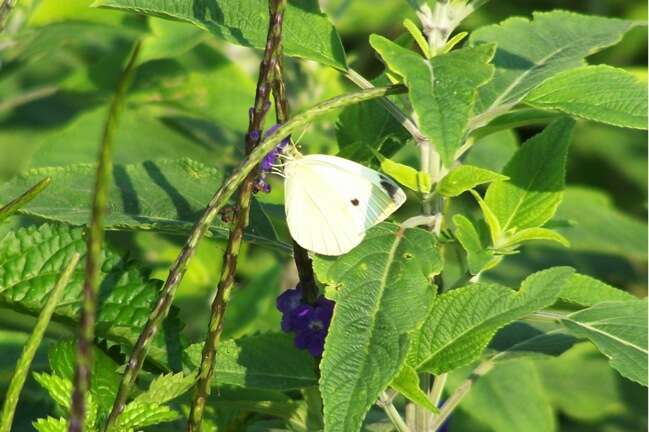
(59, 61)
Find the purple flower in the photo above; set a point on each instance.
(310, 323)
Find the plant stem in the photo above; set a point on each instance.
(385, 402)
(218, 201)
(24, 199)
(32, 344)
(223, 291)
(459, 394)
(94, 245)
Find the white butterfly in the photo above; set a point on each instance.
(331, 202)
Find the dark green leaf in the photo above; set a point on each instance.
(307, 31)
(587, 291)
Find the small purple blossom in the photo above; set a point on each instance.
(310, 323)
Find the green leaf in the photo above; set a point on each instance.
(582, 386)
(587, 291)
(442, 90)
(600, 93)
(368, 125)
(529, 52)
(523, 340)
(463, 321)
(407, 383)
(105, 378)
(493, 151)
(60, 390)
(168, 39)
(619, 330)
(479, 257)
(536, 179)
(307, 31)
(245, 362)
(254, 302)
(138, 415)
(597, 226)
(418, 36)
(31, 259)
(165, 388)
(495, 230)
(383, 291)
(529, 234)
(464, 177)
(51, 424)
(511, 398)
(165, 196)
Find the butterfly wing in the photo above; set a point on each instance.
(339, 198)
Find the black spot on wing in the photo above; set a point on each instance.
(389, 187)
(355, 201)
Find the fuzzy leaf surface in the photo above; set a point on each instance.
(383, 289)
(464, 320)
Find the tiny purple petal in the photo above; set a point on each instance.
(271, 130)
(289, 300)
(254, 135)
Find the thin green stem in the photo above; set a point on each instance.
(226, 283)
(385, 402)
(454, 400)
(32, 344)
(218, 201)
(20, 202)
(94, 244)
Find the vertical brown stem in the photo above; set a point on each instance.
(223, 291)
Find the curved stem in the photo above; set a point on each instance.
(226, 283)
(218, 201)
(93, 257)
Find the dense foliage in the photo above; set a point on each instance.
(507, 294)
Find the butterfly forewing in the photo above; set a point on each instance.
(331, 202)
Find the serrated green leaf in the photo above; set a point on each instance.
(245, 362)
(523, 340)
(529, 234)
(597, 226)
(479, 257)
(619, 330)
(31, 259)
(165, 388)
(407, 383)
(442, 90)
(587, 291)
(307, 31)
(138, 415)
(60, 390)
(164, 196)
(105, 378)
(493, 151)
(511, 398)
(384, 289)
(51, 424)
(465, 177)
(601, 93)
(536, 179)
(529, 52)
(463, 321)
